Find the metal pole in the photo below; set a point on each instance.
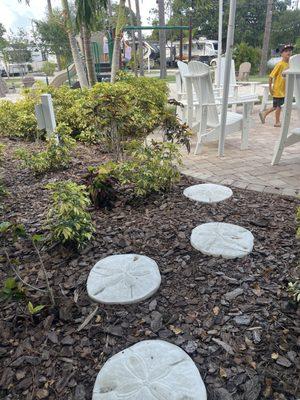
(190, 36)
(228, 58)
(218, 80)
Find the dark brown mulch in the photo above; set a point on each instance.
(230, 316)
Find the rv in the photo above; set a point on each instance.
(202, 50)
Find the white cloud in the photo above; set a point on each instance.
(14, 14)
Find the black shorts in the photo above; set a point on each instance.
(278, 102)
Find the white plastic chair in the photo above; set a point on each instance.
(289, 137)
(209, 118)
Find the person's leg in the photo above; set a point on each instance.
(277, 117)
(263, 114)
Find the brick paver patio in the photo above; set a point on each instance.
(249, 168)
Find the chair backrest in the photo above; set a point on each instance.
(204, 91)
(295, 66)
(197, 67)
(183, 69)
(244, 71)
(232, 72)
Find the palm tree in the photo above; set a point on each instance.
(115, 65)
(73, 44)
(87, 12)
(140, 38)
(266, 41)
(162, 39)
(135, 66)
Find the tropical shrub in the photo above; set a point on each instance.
(48, 68)
(2, 147)
(18, 119)
(108, 113)
(57, 155)
(101, 183)
(68, 220)
(243, 52)
(151, 168)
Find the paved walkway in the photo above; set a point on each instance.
(249, 168)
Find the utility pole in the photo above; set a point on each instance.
(162, 39)
(140, 37)
(266, 42)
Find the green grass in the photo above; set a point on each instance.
(257, 78)
(16, 81)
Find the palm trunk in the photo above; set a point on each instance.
(162, 39)
(49, 7)
(74, 48)
(266, 42)
(115, 65)
(140, 38)
(89, 60)
(135, 66)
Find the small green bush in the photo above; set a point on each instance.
(151, 168)
(68, 220)
(243, 52)
(57, 155)
(48, 68)
(101, 182)
(18, 119)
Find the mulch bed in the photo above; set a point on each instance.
(230, 334)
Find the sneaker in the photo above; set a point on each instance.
(277, 125)
(262, 117)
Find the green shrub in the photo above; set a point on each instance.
(57, 155)
(243, 52)
(151, 168)
(18, 119)
(108, 113)
(68, 220)
(48, 68)
(2, 147)
(101, 182)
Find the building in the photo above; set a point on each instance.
(295, 4)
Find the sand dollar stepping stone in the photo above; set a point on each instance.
(123, 279)
(208, 193)
(150, 370)
(220, 239)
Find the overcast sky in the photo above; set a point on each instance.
(14, 15)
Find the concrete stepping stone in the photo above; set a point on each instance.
(221, 239)
(208, 193)
(150, 370)
(123, 279)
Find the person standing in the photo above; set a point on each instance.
(277, 85)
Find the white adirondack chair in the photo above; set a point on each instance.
(234, 85)
(209, 118)
(289, 137)
(244, 72)
(185, 94)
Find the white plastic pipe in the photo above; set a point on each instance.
(228, 58)
(218, 77)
